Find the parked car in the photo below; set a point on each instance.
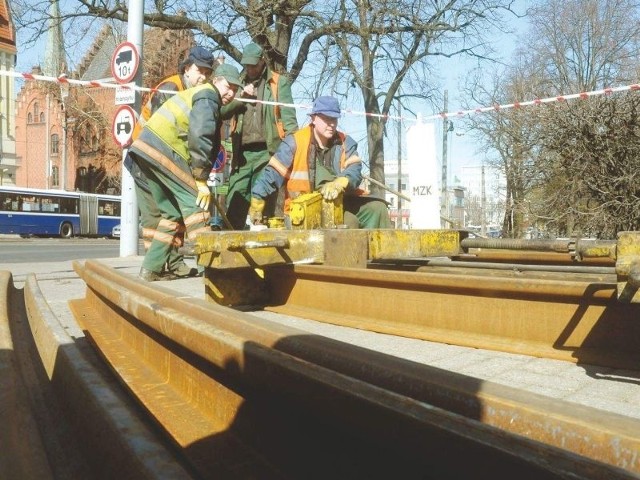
(115, 231)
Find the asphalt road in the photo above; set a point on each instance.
(14, 249)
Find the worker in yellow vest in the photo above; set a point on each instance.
(175, 152)
(194, 70)
(320, 158)
(256, 130)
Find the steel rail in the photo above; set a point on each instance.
(246, 397)
(60, 417)
(568, 318)
(520, 267)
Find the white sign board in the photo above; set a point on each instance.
(216, 179)
(125, 95)
(423, 172)
(124, 62)
(124, 121)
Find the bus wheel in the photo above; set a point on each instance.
(66, 230)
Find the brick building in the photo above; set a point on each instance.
(7, 96)
(63, 133)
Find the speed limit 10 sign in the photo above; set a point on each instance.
(124, 62)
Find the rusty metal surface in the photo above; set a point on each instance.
(59, 417)
(628, 266)
(581, 248)
(412, 243)
(563, 318)
(236, 249)
(531, 257)
(228, 388)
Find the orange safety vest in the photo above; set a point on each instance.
(297, 179)
(146, 112)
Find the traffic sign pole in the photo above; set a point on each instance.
(129, 210)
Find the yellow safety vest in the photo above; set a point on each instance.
(170, 123)
(146, 112)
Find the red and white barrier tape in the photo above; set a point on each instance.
(461, 113)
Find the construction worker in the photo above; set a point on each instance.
(194, 70)
(175, 151)
(318, 157)
(256, 130)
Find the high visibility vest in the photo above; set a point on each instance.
(297, 179)
(170, 122)
(146, 111)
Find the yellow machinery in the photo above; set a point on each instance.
(310, 211)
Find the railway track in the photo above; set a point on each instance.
(215, 392)
(564, 313)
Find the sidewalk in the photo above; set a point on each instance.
(610, 390)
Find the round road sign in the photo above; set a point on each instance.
(124, 121)
(220, 160)
(124, 62)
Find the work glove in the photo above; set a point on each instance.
(331, 190)
(204, 195)
(255, 210)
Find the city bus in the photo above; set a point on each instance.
(30, 211)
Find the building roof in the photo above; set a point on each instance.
(96, 64)
(162, 51)
(7, 28)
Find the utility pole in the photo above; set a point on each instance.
(483, 225)
(445, 131)
(399, 224)
(129, 204)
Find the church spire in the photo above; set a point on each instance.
(54, 58)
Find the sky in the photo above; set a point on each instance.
(463, 161)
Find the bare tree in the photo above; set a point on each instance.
(583, 45)
(572, 151)
(510, 140)
(593, 148)
(376, 46)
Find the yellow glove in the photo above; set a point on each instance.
(204, 194)
(255, 210)
(331, 190)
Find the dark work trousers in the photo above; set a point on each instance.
(365, 212)
(177, 206)
(243, 176)
(150, 217)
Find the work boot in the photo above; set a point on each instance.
(151, 276)
(183, 271)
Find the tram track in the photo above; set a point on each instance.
(232, 395)
(560, 312)
(61, 414)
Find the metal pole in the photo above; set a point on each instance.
(483, 225)
(129, 209)
(399, 224)
(47, 145)
(445, 128)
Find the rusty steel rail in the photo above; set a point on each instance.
(566, 316)
(244, 397)
(61, 417)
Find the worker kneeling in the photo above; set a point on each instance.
(318, 157)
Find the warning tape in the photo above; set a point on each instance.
(63, 79)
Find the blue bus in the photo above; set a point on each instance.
(30, 211)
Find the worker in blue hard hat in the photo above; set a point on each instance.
(321, 158)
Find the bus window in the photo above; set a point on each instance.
(109, 208)
(30, 204)
(69, 205)
(50, 205)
